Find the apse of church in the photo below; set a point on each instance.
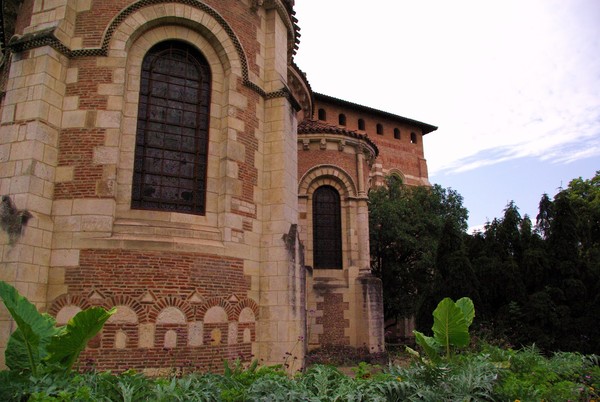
(175, 167)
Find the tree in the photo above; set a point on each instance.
(405, 225)
(453, 275)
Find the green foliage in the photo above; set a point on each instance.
(406, 225)
(468, 378)
(562, 377)
(536, 286)
(37, 341)
(451, 322)
(490, 374)
(27, 345)
(65, 347)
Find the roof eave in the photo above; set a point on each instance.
(425, 128)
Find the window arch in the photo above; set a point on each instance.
(327, 229)
(342, 119)
(171, 146)
(413, 138)
(379, 128)
(361, 124)
(322, 114)
(397, 133)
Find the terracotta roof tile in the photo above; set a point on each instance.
(309, 126)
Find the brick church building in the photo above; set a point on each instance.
(179, 167)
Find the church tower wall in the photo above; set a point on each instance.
(190, 288)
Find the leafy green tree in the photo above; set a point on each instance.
(406, 224)
(453, 276)
(495, 256)
(544, 216)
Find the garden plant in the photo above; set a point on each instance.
(41, 358)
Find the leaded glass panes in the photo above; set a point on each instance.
(172, 131)
(327, 229)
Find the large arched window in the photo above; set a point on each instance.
(327, 229)
(172, 130)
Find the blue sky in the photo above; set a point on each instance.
(513, 85)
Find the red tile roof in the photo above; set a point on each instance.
(309, 126)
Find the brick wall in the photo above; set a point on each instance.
(333, 307)
(394, 153)
(146, 287)
(312, 158)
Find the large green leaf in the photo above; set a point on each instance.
(429, 345)
(66, 346)
(450, 326)
(468, 309)
(27, 345)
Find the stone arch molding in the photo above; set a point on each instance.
(327, 174)
(131, 44)
(193, 13)
(133, 22)
(398, 173)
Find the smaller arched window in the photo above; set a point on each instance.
(361, 124)
(322, 114)
(397, 133)
(379, 128)
(342, 119)
(413, 138)
(327, 229)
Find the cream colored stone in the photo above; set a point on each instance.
(64, 174)
(215, 337)
(8, 273)
(66, 313)
(110, 89)
(64, 258)
(7, 170)
(195, 333)
(74, 119)
(93, 207)
(120, 340)
(146, 335)
(56, 275)
(105, 155)
(62, 207)
(232, 333)
(39, 204)
(28, 272)
(41, 257)
(70, 103)
(56, 290)
(124, 315)
(36, 293)
(108, 119)
(215, 314)
(170, 339)
(171, 315)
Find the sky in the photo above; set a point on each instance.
(513, 85)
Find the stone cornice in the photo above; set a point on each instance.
(47, 37)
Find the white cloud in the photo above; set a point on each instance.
(502, 79)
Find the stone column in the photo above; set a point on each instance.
(281, 329)
(29, 131)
